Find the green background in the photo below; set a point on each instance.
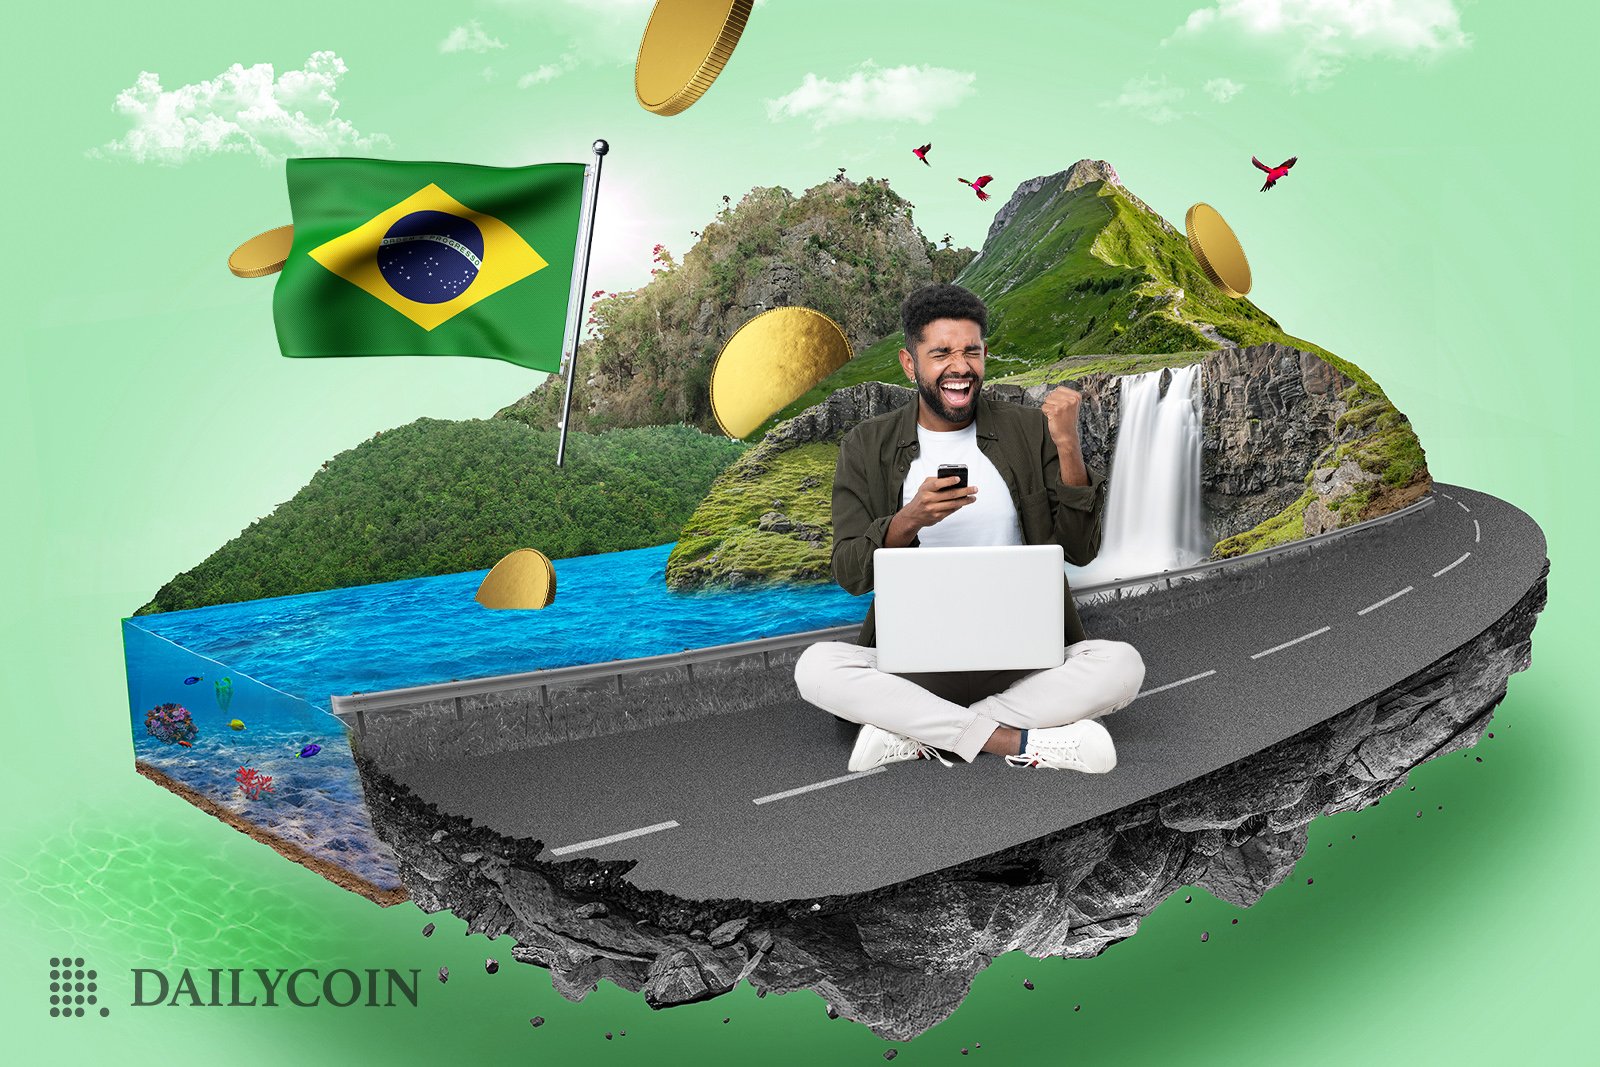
(1438, 231)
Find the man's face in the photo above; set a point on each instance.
(948, 369)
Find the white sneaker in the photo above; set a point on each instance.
(876, 747)
(1078, 746)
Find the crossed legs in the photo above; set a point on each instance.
(961, 712)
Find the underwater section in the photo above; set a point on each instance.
(269, 764)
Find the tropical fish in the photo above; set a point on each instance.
(193, 678)
(309, 751)
(185, 744)
(236, 725)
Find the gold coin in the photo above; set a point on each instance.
(771, 360)
(685, 46)
(263, 254)
(1217, 250)
(524, 579)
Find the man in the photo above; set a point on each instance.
(1027, 484)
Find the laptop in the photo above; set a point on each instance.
(968, 609)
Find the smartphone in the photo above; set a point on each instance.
(957, 469)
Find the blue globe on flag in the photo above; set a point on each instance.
(431, 256)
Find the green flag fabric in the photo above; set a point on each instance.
(429, 259)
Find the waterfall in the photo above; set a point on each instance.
(1153, 518)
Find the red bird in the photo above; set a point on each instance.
(922, 153)
(1274, 173)
(978, 185)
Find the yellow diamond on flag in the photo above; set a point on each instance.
(430, 257)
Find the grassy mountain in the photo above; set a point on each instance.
(849, 250)
(440, 497)
(1081, 276)
(1076, 265)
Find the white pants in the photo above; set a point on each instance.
(958, 710)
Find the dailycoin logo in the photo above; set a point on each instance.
(72, 989)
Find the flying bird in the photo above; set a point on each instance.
(1274, 173)
(922, 153)
(978, 185)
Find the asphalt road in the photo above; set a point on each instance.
(760, 806)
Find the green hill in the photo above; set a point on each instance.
(439, 497)
(1074, 265)
(1081, 276)
(850, 250)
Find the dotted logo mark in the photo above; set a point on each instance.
(72, 989)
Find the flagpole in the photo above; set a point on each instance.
(580, 299)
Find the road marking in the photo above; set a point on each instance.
(1464, 555)
(1476, 533)
(613, 839)
(1447, 496)
(787, 793)
(1463, 507)
(1174, 685)
(1385, 600)
(1286, 644)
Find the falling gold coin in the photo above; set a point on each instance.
(685, 46)
(523, 579)
(1217, 250)
(771, 360)
(263, 254)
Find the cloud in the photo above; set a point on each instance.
(1153, 98)
(470, 38)
(548, 71)
(1319, 37)
(243, 110)
(912, 93)
(1222, 89)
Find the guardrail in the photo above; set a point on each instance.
(353, 709)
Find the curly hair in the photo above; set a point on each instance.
(940, 302)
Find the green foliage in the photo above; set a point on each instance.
(1288, 525)
(1393, 453)
(721, 538)
(438, 497)
(849, 250)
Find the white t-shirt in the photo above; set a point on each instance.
(989, 520)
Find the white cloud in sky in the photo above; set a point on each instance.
(1154, 98)
(548, 71)
(1222, 89)
(470, 38)
(908, 93)
(1319, 37)
(248, 110)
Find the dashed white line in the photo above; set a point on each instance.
(1286, 644)
(1463, 507)
(1447, 496)
(1464, 555)
(1476, 533)
(1385, 600)
(613, 839)
(1174, 685)
(769, 798)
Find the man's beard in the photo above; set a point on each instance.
(929, 391)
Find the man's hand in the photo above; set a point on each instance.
(1060, 409)
(936, 500)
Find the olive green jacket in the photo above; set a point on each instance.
(874, 458)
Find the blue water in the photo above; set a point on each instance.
(395, 634)
(316, 802)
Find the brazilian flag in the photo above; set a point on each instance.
(429, 259)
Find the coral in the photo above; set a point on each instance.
(253, 782)
(170, 723)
